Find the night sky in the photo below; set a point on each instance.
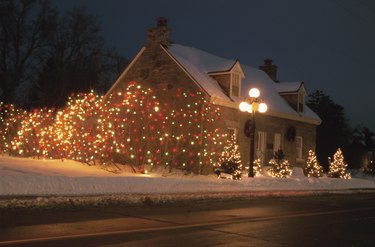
(328, 44)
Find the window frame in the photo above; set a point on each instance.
(277, 139)
(299, 147)
(301, 101)
(230, 134)
(260, 145)
(235, 77)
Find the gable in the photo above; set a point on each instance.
(294, 93)
(156, 69)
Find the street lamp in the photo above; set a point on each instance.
(251, 105)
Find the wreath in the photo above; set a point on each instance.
(247, 129)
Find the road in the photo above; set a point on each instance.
(329, 220)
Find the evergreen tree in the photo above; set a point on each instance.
(334, 131)
(313, 168)
(337, 167)
(280, 166)
(257, 167)
(230, 159)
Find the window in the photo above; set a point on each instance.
(301, 101)
(277, 142)
(232, 134)
(299, 147)
(235, 85)
(260, 145)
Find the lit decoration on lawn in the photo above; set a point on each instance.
(129, 127)
(10, 120)
(257, 167)
(230, 160)
(337, 167)
(313, 168)
(280, 167)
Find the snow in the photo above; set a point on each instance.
(288, 87)
(26, 177)
(44, 183)
(199, 63)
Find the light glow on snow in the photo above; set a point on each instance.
(21, 176)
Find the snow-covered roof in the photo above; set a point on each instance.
(288, 87)
(198, 64)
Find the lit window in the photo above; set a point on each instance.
(299, 147)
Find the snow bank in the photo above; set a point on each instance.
(31, 177)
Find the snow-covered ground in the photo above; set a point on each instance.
(20, 177)
(45, 179)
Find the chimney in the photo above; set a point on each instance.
(270, 69)
(159, 34)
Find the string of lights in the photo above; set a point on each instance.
(129, 127)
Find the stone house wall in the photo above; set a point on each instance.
(233, 118)
(157, 70)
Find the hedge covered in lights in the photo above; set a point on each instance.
(131, 127)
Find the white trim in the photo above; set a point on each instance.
(303, 95)
(236, 66)
(234, 105)
(299, 149)
(125, 71)
(232, 74)
(260, 145)
(218, 73)
(238, 69)
(235, 133)
(277, 140)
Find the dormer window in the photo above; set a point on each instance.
(230, 79)
(235, 85)
(294, 93)
(301, 101)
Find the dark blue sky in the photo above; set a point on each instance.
(328, 44)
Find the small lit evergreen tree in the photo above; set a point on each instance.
(230, 159)
(257, 167)
(313, 168)
(337, 167)
(280, 166)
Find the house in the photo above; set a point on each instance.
(289, 124)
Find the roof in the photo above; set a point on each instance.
(288, 87)
(198, 64)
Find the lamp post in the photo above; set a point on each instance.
(251, 105)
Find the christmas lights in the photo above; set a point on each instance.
(257, 167)
(129, 127)
(313, 168)
(337, 167)
(230, 160)
(280, 166)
